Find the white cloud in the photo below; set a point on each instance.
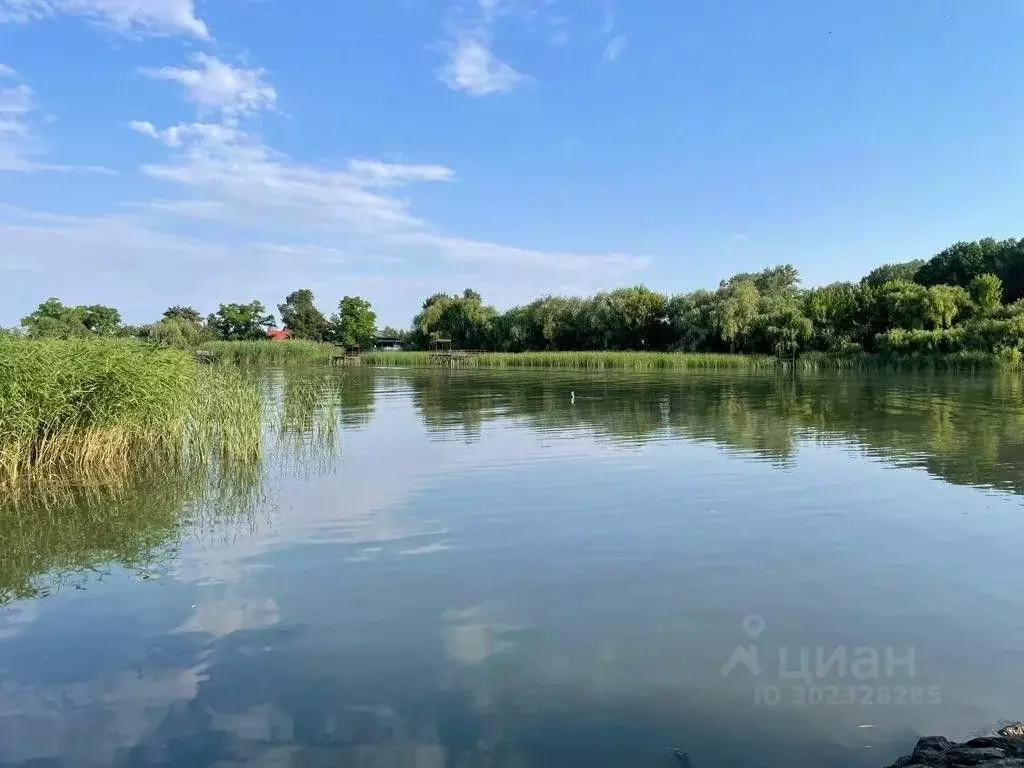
(235, 208)
(16, 101)
(213, 85)
(374, 173)
(250, 180)
(148, 17)
(20, 146)
(473, 67)
(6, 71)
(459, 249)
(614, 48)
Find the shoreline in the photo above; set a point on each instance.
(1003, 749)
(314, 353)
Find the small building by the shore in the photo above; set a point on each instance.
(388, 344)
(276, 334)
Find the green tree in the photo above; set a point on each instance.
(100, 320)
(736, 307)
(631, 318)
(903, 304)
(300, 315)
(464, 319)
(945, 302)
(178, 332)
(355, 325)
(986, 292)
(188, 314)
(787, 329)
(835, 312)
(906, 270)
(240, 322)
(52, 319)
(690, 321)
(962, 262)
(782, 280)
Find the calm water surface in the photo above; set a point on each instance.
(481, 573)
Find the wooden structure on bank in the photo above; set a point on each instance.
(442, 353)
(346, 356)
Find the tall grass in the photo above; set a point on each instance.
(91, 409)
(295, 352)
(633, 360)
(962, 362)
(288, 352)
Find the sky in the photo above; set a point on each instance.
(161, 152)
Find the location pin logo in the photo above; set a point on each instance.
(753, 625)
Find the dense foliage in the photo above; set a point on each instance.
(355, 324)
(951, 304)
(53, 320)
(241, 322)
(300, 316)
(968, 299)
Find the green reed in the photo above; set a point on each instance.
(289, 352)
(294, 352)
(630, 360)
(91, 409)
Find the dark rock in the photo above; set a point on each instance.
(1004, 750)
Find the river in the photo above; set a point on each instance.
(474, 569)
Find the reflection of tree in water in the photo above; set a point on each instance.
(966, 430)
(356, 400)
(448, 407)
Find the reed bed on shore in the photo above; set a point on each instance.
(629, 360)
(295, 352)
(291, 352)
(92, 409)
(960, 362)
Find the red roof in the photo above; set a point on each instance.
(276, 335)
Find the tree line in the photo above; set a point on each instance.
(968, 297)
(354, 324)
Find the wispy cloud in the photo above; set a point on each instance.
(6, 71)
(614, 44)
(375, 173)
(20, 144)
(614, 48)
(214, 86)
(133, 17)
(233, 206)
(473, 67)
(240, 178)
(465, 250)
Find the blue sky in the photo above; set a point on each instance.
(157, 152)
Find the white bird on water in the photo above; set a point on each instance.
(572, 397)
